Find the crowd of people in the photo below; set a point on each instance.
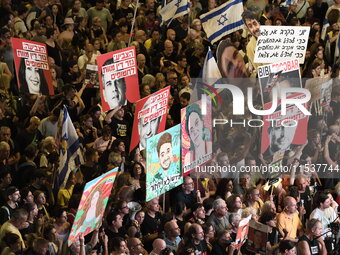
(202, 215)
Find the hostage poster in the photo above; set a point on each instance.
(196, 136)
(163, 162)
(31, 67)
(150, 117)
(118, 78)
(281, 132)
(92, 205)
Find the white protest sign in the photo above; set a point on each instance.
(280, 43)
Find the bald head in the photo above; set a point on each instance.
(141, 60)
(158, 245)
(4, 146)
(34, 124)
(171, 34)
(168, 47)
(140, 36)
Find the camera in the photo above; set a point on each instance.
(335, 227)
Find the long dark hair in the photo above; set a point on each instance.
(23, 82)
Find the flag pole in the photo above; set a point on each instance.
(133, 22)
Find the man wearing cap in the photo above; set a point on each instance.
(101, 12)
(13, 197)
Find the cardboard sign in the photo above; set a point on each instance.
(118, 78)
(91, 76)
(196, 136)
(92, 205)
(283, 74)
(163, 162)
(257, 237)
(281, 43)
(31, 66)
(326, 93)
(150, 117)
(279, 132)
(242, 232)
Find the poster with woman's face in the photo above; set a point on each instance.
(118, 78)
(92, 205)
(31, 67)
(196, 136)
(163, 162)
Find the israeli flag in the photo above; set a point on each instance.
(70, 156)
(223, 20)
(210, 72)
(174, 9)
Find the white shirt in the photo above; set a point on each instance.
(325, 216)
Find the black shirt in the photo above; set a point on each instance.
(200, 249)
(150, 225)
(188, 199)
(313, 245)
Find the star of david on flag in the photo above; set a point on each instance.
(223, 20)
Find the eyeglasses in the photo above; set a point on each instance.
(139, 244)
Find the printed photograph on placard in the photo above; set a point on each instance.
(196, 135)
(118, 78)
(257, 238)
(91, 76)
(150, 117)
(32, 68)
(278, 75)
(163, 162)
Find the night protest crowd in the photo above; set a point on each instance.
(202, 215)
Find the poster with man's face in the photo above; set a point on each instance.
(92, 205)
(163, 162)
(118, 78)
(257, 237)
(150, 117)
(278, 75)
(279, 131)
(31, 67)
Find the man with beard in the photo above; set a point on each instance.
(250, 20)
(196, 240)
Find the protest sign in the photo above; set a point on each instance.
(326, 92)
(279, 132)
(92, 205)
(196, 136)
(257, 237)
(91, 76)
(31, 66)
(118, 78)
(163, 162)
(285, 74)
(150, 117)
(281, 43)
(242, 232)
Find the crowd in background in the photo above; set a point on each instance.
(202, 215)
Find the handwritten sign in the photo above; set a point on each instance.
(282, 43)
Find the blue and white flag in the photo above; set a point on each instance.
(174, 9)
(210, 71)
(223, 20)
(70, 156)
